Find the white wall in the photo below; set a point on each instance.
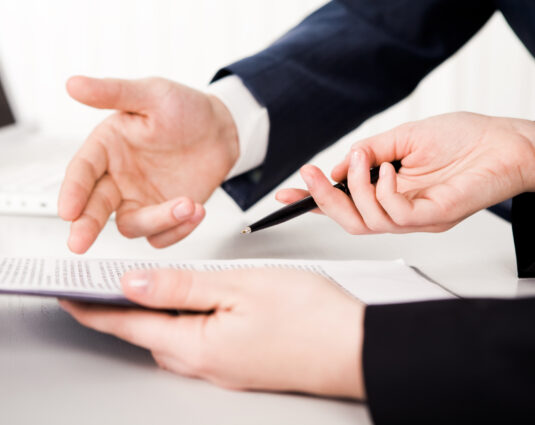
(43, 42)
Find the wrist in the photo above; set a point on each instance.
(346, 378)
(526, 132)
(226, 132)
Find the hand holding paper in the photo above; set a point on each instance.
(284, 330)
(302, 320)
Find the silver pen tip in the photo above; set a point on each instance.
(246, 230)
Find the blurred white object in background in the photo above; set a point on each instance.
(43, 43)
(31, 168)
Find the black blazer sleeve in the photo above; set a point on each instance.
(451, 362)
(344, 63)
(523, 220)
(458, 361)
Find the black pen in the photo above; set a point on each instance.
(307, 204)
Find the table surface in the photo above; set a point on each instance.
(53, 370)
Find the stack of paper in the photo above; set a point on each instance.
(373, 282)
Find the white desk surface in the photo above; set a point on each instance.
(52, 370)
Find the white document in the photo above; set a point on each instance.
(373, 282)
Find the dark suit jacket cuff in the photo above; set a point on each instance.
(242, 188)
(415, 359)
(523, 221)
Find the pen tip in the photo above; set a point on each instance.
(246, 230)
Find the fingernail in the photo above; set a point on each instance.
(307, 176)
(382, 171)
(356, 158)
(182, 210)
(138, 281)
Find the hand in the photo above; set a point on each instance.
(263, 329)
(452, 166)
(154, 162)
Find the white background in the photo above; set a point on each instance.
(42, 43)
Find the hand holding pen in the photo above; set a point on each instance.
(445, 175)
(308, 203)
(358, 212)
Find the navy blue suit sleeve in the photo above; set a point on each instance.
(451, 362)
(344, 63)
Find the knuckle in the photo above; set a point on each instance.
(374, 225)
(442, 227)
(405, 131)
(125, 230)
(92, 221)
(381, 196)
(174, 285)
(403, 219)
(183, 287)
(158, 85)
(322, 199)
(353, 228)
(105, 200)
(156, 243)
(86, 165)
(321, 203)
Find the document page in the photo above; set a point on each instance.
(94, 280)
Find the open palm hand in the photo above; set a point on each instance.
(154, 162)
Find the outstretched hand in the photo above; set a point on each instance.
(452, 166)
(153, 162)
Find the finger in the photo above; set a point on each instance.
(147, 329)
(172, 363)
(289, 196)
(388, 146)
(384, 147)
(178, 339)
(396, 205)
(104, 200)
(410, 214)
(333, 202)
(387, 184)
(154, 219)
(110, 93)
(339, 172)
(85, 169)
(181, 289)
(363, 193)
(179, 232)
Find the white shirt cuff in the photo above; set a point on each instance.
(251, 119)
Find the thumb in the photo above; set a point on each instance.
(110, 93)
(179, 289)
